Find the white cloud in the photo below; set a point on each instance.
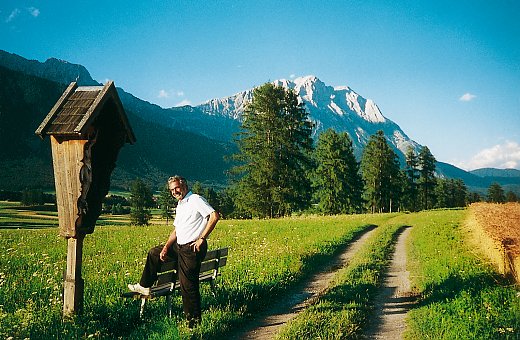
(184, 103)
(163, 94)
(180, 93)
(34, 11)
(292, 76)
(13, 15)
(467, 97)
(501, 156)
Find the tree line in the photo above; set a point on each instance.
(280, 171)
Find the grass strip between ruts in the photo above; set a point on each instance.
(344, 309)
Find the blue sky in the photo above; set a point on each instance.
(448, 72)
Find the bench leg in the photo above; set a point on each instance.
(213, 288)
(169, 301)
(141, 311)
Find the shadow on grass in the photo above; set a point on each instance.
(25, 225)
(454, 285)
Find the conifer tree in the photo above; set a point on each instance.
(275, 144)
(412, 175)
(380, 171)
(166, 203)
(337, 182)
(511, 197)
(496, 193)
(141, 200)
(427, 179)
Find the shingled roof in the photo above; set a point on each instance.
(78, 107)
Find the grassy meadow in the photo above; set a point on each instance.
(459, 292)
(462, 295)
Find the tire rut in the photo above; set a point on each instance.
(267, 324)
(395, 298)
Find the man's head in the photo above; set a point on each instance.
(178, 187)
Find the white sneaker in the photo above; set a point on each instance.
(139, 289)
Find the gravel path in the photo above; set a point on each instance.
(395, 299)
(266, 326)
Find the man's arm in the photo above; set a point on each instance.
(169, 243)
(212, 221)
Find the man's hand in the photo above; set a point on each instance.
(197, 244)
(163, 253)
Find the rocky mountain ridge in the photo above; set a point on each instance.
(210, 125)
(339, 108)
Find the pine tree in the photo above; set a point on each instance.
(141, 200)
(380, 171)
(337, 182)
(496, 193)
(275, 144)
(450, 193)
(511, 197)
(427, 179)
(166, 203)
(412, 175)
(474, 197)
(461, 193)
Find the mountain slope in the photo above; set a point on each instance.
(159, 152)
(491, 172)
(53, 69)
(186, 140)
(339, 108)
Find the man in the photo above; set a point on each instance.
(195, 219)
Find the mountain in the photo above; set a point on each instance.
(160, 151)
(491, 172)
(339, 108)
(189, 140)
(53, 69)
(479, 180)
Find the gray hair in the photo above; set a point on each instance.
(180, 179)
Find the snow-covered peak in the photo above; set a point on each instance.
(339, 107)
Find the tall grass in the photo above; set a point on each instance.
(462, 296)
(266, 258)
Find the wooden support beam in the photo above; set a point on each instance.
(74, 284)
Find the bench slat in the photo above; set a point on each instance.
(213, 264)
(212, 254)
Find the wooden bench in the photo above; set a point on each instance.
(167, 281)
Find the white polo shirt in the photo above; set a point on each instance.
(191, 218)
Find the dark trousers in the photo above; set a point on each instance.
(188, 267)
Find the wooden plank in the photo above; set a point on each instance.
(74, 285)
(212, 254)
(69, 91)
(213, 264)
(67, 157)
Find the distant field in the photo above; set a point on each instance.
(14, 216)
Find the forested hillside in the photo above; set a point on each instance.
(159, 152)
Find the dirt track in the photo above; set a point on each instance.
(391, 306)
(268, 324)
(395, 298)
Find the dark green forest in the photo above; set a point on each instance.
(159, 152)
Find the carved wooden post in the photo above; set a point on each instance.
(88, 126)
(74, 284)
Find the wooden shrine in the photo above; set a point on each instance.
(87, 127)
